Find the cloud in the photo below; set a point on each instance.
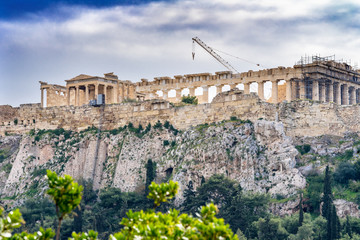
(154, 39)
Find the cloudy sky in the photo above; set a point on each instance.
(43, 40)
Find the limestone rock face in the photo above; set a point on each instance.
(259, 156)
(345, 208)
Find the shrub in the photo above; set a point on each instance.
(344, 172)
(303, 149)
(15, 121)
(354, 186)
(148, 128)
(189, 100)
(58, 131)
(158, 125)
(4, 153)
(166, 143)
(166, 124)
(7, 167)
(32, 132)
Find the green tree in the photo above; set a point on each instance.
(270, 229)
(301, 211)
(150, 174)
(329, 210)
(348, 229)
(189, 196)
(156, 225)
(314, 189)
(244, 209)
(66, 195)
(344, 172)
(327, 197)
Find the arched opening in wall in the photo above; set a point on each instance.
(198, 91)
(254, 86)
(240, 86)
(212, 93)
(185, 92)
(267, 90)
(226, 88)
(160, 93)
(172, 93)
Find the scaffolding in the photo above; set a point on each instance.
(324, 70)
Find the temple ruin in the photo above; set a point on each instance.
(314, 78)
(83, 88)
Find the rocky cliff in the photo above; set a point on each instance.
(258, 155)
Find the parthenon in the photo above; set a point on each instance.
(314, 78)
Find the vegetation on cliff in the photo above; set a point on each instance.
(148, 224)
(240, 151)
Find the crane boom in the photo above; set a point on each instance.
(214, 54)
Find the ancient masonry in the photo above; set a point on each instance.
(332, 87)
(318, 79)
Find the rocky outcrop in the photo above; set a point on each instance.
(259, 156)
(345, 208)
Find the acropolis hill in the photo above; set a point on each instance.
(332, 87)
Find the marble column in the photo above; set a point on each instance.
(121, 92)
(86, 94)
(294, 90)
(68, 95)
(178, 94)
(219, 88)
(42, 97)
(338, 93)
(165, 94)
(323, 92)
(105, 94)
(96, 91)
(205, 96)
(192, 91)
(116, 93)
(288, 90)
(345, 95)
(302, 89)
(261, 90)
(331, 92)
(353, 96)
(315, 91)
(274, 91)
(247, 88)
(77, 96)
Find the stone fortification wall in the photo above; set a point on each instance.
(300, 118)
